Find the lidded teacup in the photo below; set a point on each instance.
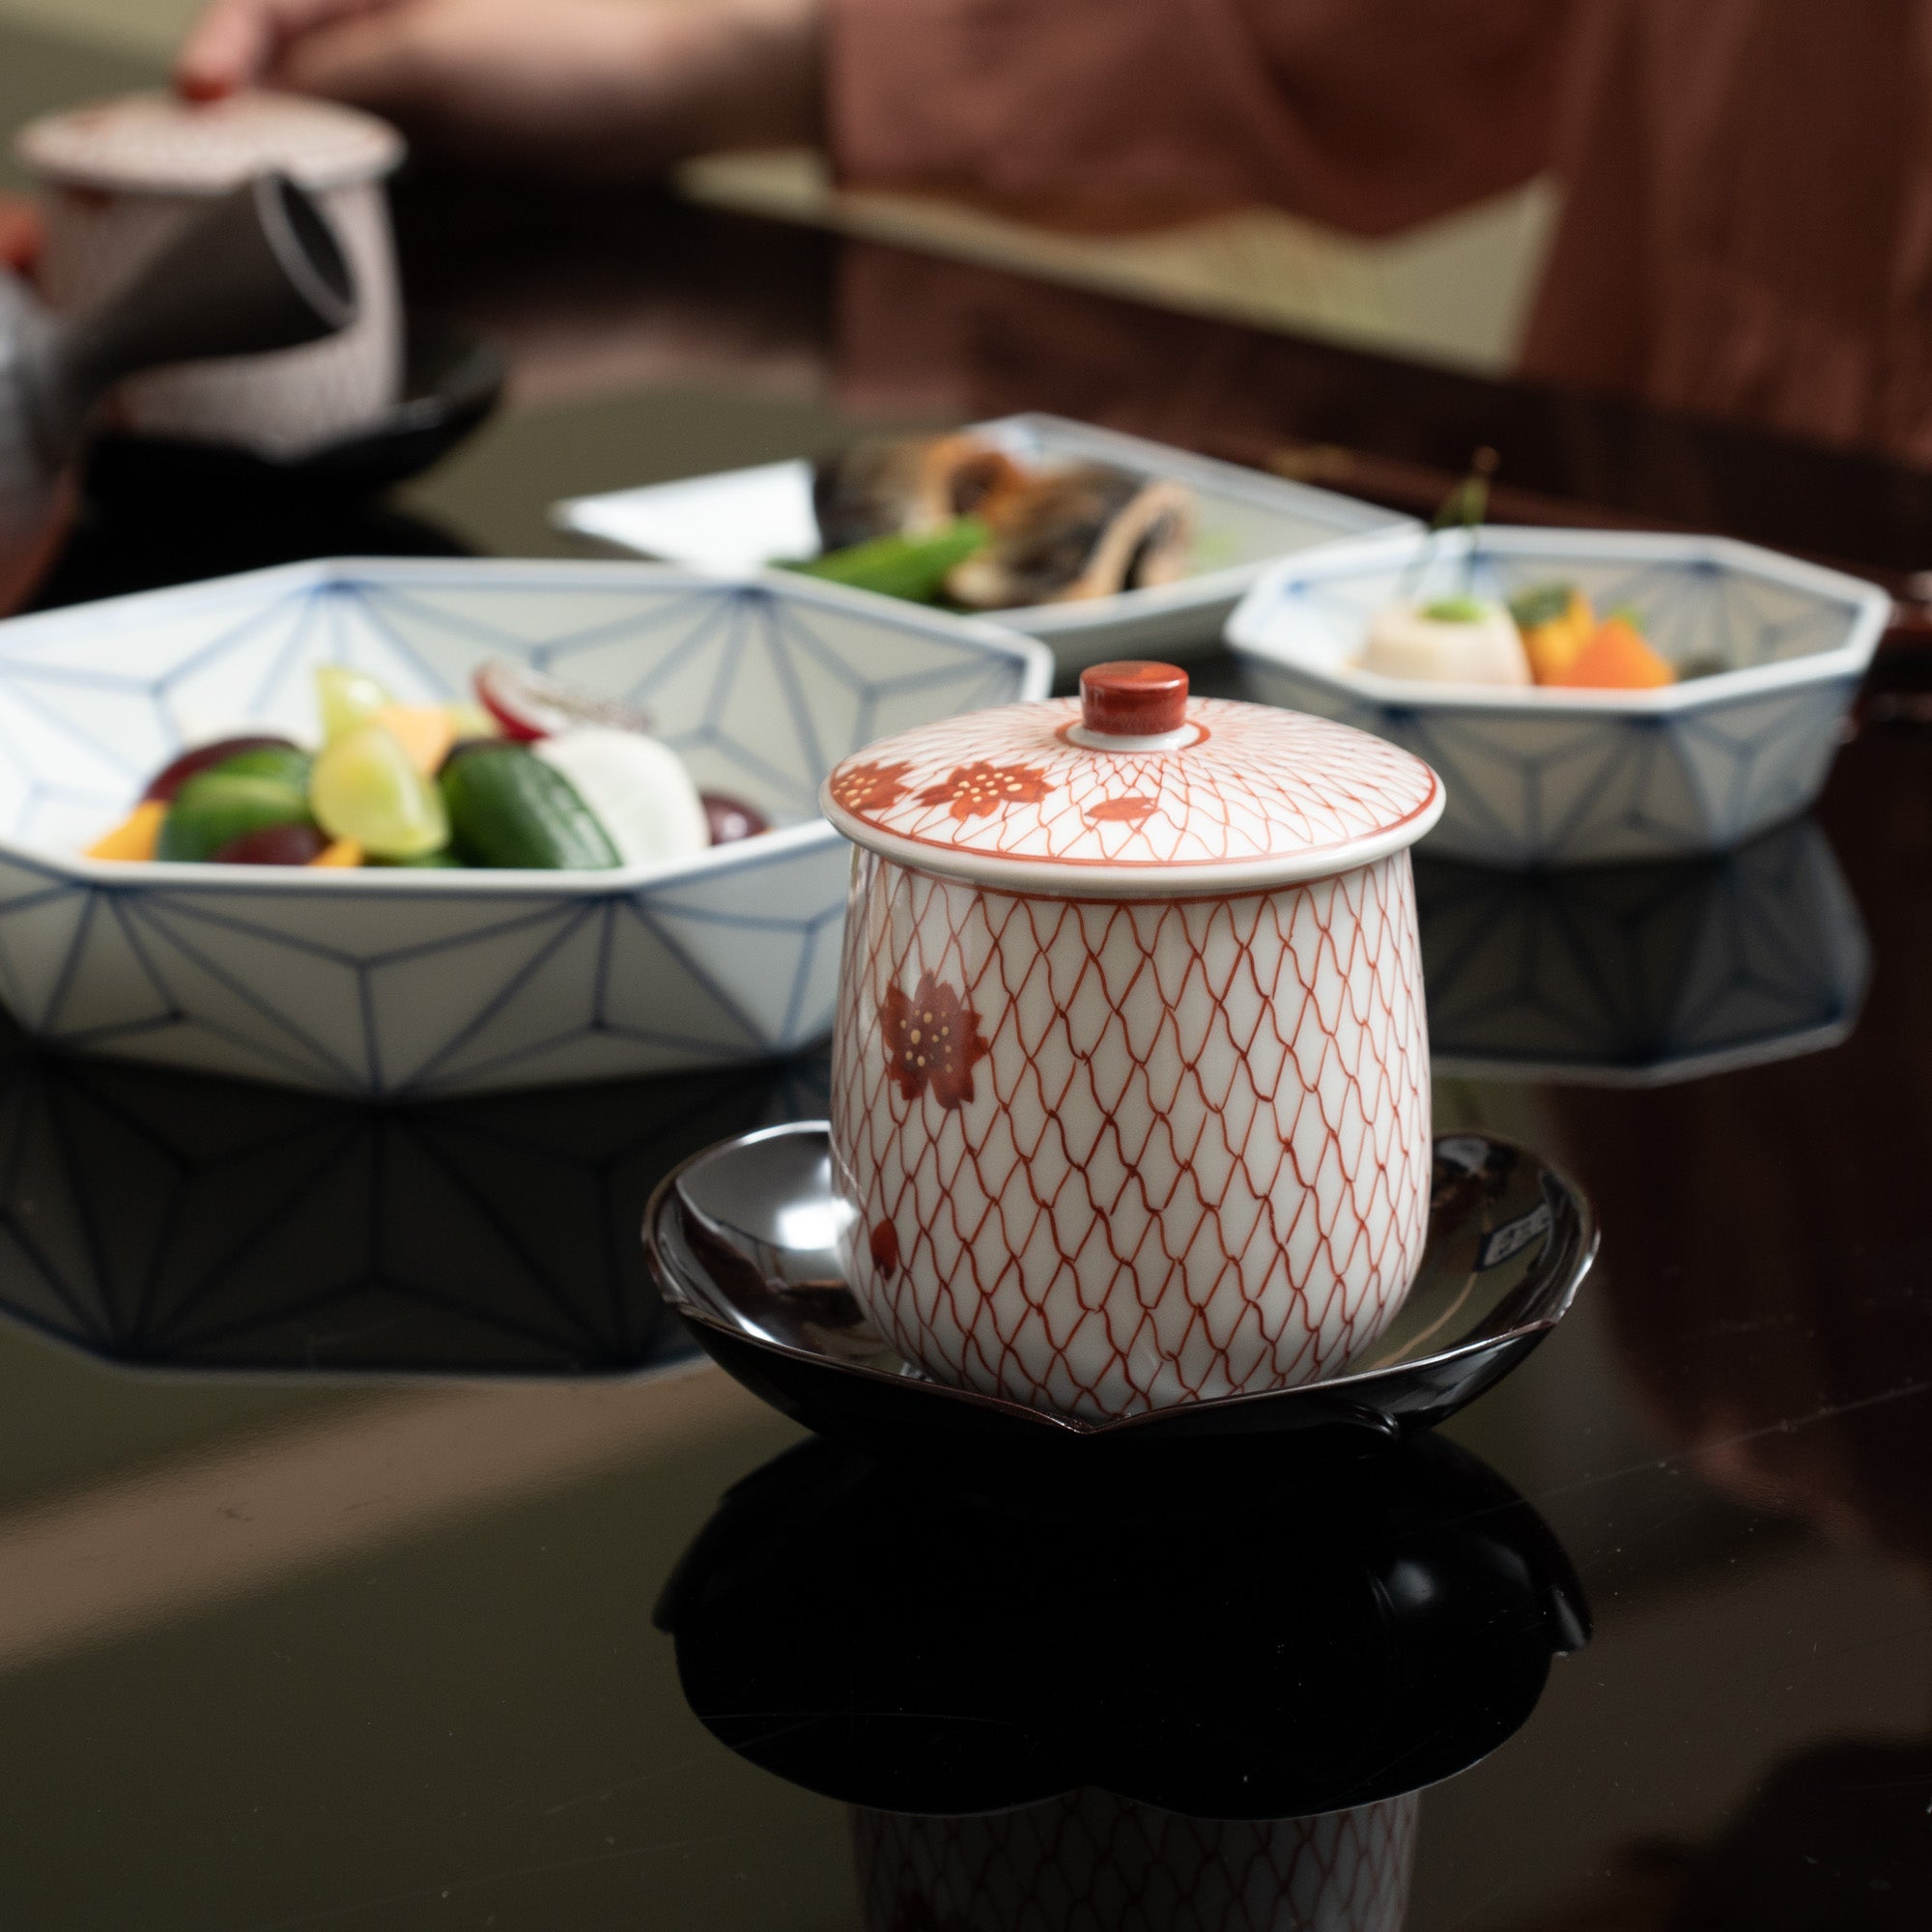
(1130, 1073)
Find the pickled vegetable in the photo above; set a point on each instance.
(346, 699)
(273, 846)
(730, 819)
(1556, 621)
(170, 778)
(216, 808)
(913, 567)
(528, 705)
(507, 807)
(637, 790)
(1455, 639)
(135, 837)
(365, 787)
(285, 765)
(425, 731)
(1617, 658)
(471, 720)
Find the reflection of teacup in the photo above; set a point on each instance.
(121, 177)
(1233, 1740)
(1093, 1859)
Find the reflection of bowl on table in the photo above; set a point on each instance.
(1542, 776)
(1641, 975)
(406, 982)
(491, 1234)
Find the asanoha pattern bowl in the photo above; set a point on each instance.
(1543, 778)
(414, 982)
(1130, 1074)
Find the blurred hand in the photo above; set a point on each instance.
(581, 87)
(19, 232)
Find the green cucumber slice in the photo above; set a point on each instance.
(508, 808)
(284, 764)
(214, 807)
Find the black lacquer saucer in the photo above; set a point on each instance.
(452, 379)
(743, 1239)
(1347, 1639)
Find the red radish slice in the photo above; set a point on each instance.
(170, 778)
(731, 819)
(272, 846)
(529, 705)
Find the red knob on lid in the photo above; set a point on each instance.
(1133, 700)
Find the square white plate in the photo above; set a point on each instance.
(744, 518)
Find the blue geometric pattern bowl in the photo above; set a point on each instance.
(1577, 777)
(420, 982)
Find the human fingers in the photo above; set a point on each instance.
(376, 61)
(20, 234)
(236, 42)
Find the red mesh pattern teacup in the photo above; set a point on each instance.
(1130, 1080)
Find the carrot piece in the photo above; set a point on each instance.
(425, 731)
(1617, 658)
(1557, 642)
(342, 852)
(136, 836)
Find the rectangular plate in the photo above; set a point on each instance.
(1248, 520)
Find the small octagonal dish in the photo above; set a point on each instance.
(1572, 777)
(406, 982)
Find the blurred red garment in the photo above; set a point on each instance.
(1746, 225)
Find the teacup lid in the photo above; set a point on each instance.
(162, 144)
(1133, 789)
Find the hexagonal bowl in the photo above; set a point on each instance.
(1541, 778)
(410, 983)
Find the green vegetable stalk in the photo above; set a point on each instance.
(911, 567)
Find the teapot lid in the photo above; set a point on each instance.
(158, 143)
(1133, 789)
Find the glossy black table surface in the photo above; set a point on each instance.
(376, 1554)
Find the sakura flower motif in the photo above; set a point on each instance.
(932, 1040)
(1133, 810)
(980, 789)
(869, 787)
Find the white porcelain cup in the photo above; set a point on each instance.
(118, 178)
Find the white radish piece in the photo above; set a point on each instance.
(638, 789)
(1479, 644)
